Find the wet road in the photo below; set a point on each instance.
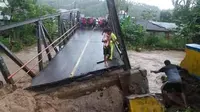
(79, 56)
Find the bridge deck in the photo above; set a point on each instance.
(78, 57)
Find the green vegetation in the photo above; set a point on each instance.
(135, 36)
(186, 15)
(20, 10)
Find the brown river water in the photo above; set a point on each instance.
(153, 60)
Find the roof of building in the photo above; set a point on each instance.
(169, 26)
(156, 26)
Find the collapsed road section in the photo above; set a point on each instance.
(101, 93)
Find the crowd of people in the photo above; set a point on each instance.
(93, 22)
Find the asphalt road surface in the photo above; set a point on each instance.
(78, 57)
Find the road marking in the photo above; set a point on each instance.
(79, 59)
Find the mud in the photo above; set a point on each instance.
(153, 60)
(107, 100)
(18, 101)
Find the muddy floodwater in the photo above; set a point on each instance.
(25, 55)
(153, 60)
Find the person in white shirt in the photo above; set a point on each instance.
(106, 47)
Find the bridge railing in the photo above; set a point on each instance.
(64, 31)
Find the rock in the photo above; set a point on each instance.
(138, 82)
(138, 49)
(87, 93)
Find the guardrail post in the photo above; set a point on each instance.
(16, 59)
(70, 19)
(73, 20)
(78, 16)
(44, 41)
(39, 45)
(64, 26)
(60, 30)
(5, 72)
(49, 38)
(63, 31)
(113, 14)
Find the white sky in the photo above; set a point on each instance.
(162, 4)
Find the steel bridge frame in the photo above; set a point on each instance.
(42, 34)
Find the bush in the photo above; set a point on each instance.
(151, 41)
(16, 46)
(25, 35)
(5, 41)
(132, 33)
(29, 40)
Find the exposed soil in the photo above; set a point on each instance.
(108, 100)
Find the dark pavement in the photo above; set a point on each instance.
(78, 57)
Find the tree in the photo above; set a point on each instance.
(148, 15)
(165, 16)
(132, 33)
(187, 14)
(182, 10)
(20, 10)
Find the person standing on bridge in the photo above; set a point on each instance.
(113, 41)
(106, 46)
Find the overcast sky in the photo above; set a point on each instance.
(162, 4)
